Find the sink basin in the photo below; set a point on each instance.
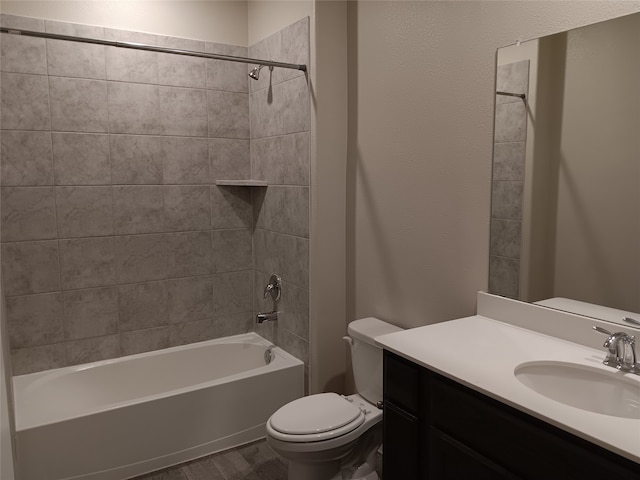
(580, 386)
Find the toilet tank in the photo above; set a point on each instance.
(366, 356)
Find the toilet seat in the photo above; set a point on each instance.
(315, 418)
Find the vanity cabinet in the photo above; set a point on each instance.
(438, 429)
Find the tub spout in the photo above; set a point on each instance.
(266, 317)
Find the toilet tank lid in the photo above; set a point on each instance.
(367, 329)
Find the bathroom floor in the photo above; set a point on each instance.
(254, 461)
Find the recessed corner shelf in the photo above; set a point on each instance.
(242, 183)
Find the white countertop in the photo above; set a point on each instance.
(482, 354)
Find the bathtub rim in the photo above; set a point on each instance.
(281, 361)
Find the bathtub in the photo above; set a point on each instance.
(114, 419)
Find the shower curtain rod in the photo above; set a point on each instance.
(152, 48)
(519, 95)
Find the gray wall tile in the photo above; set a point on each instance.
(136, 159)
(185, 160)
(74, 29)
(26, 158)
(84, 211)
(281, 160)
(78, 105)
(187, 207)
(157, 191)
(30, 267)
(506, 199)
(92, 349)
(188, 254)
(73, 59)
(181, 43)
(36, 359)
(118, 35)
(508, 161)
(90, 313)
(511, 122)
(228, 76)
(270, 47)
(134, 108)
(126, 65)
(183, 111)
(285, 111)
(228, 114)
(294, 48)
(505, 238)
(232, 250)
(34, 320)
(283, 209)
(178, 70)
(22, 23)
(87, 262)
(140, 341)
(294, 345)
(293, 306)
(232, 293)
(504, 276)
(190, 299)
(28, 213)
(512, 78)
(24, 102)
(22, 54)
(190, 332)
(142, 305)
(81, 159)
(231, 207)
(225, 326)
(141, 258)
(138, 209)
(229, 159)
(285, 254)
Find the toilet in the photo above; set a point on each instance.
(327, 436)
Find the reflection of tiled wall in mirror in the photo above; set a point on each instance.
(508, 179)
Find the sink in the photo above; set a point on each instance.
(608, 393)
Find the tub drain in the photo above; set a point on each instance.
(268, 356)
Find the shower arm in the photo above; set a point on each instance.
(152, 48)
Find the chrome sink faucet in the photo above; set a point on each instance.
(621, 349)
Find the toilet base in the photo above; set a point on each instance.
(344, 465)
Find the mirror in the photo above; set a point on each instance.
(565, 206)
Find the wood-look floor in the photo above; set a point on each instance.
(254, 461)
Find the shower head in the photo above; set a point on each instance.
(255, 71)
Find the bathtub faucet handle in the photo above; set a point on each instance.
(274, 288)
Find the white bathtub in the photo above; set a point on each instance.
(115, 419)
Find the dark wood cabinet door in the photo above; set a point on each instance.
(401, 444)
(451, 460)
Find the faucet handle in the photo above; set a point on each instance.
(273, 288)
(602, 330)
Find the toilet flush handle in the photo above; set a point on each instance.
(348, 339)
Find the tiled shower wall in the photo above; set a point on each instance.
(280, 128)
(508, 180)
(115, 239)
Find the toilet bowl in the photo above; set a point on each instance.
(327, 436)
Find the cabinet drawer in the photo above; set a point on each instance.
(520, 443)
(401, 382)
